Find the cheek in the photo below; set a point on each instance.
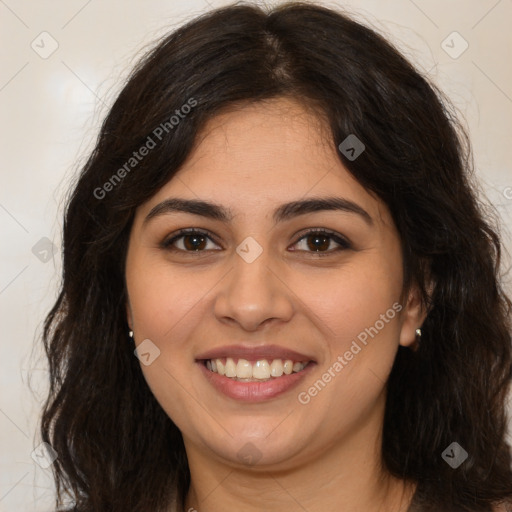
(166, 307)
(360, 326)
(163, 300)
(354, 300)
(358, 310)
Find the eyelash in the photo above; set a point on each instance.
(341, 241)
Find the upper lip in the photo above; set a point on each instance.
(255, 353)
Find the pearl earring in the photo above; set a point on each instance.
(130, 333)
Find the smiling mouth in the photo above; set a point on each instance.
(262, 370)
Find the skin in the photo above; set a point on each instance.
(315, 456)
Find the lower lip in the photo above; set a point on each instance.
(254, 391)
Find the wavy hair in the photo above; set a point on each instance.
(118, 450)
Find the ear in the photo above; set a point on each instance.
(413, 316)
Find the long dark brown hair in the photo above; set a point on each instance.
(118, 450)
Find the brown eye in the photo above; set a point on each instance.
(320, 241)
(194, 242)
(189, 241)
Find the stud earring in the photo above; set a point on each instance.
(418, 338)
(416, 345)
(130, 333)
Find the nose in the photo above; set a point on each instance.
(253, 294)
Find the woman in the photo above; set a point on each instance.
(279, 290)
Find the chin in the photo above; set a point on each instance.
(261, 449)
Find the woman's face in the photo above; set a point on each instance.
(257, 293)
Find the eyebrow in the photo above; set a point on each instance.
(284, 212)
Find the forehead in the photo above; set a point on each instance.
(287, 129)
(263, 154)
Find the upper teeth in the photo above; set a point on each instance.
(261, 369)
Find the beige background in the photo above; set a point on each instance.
(51, 108)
